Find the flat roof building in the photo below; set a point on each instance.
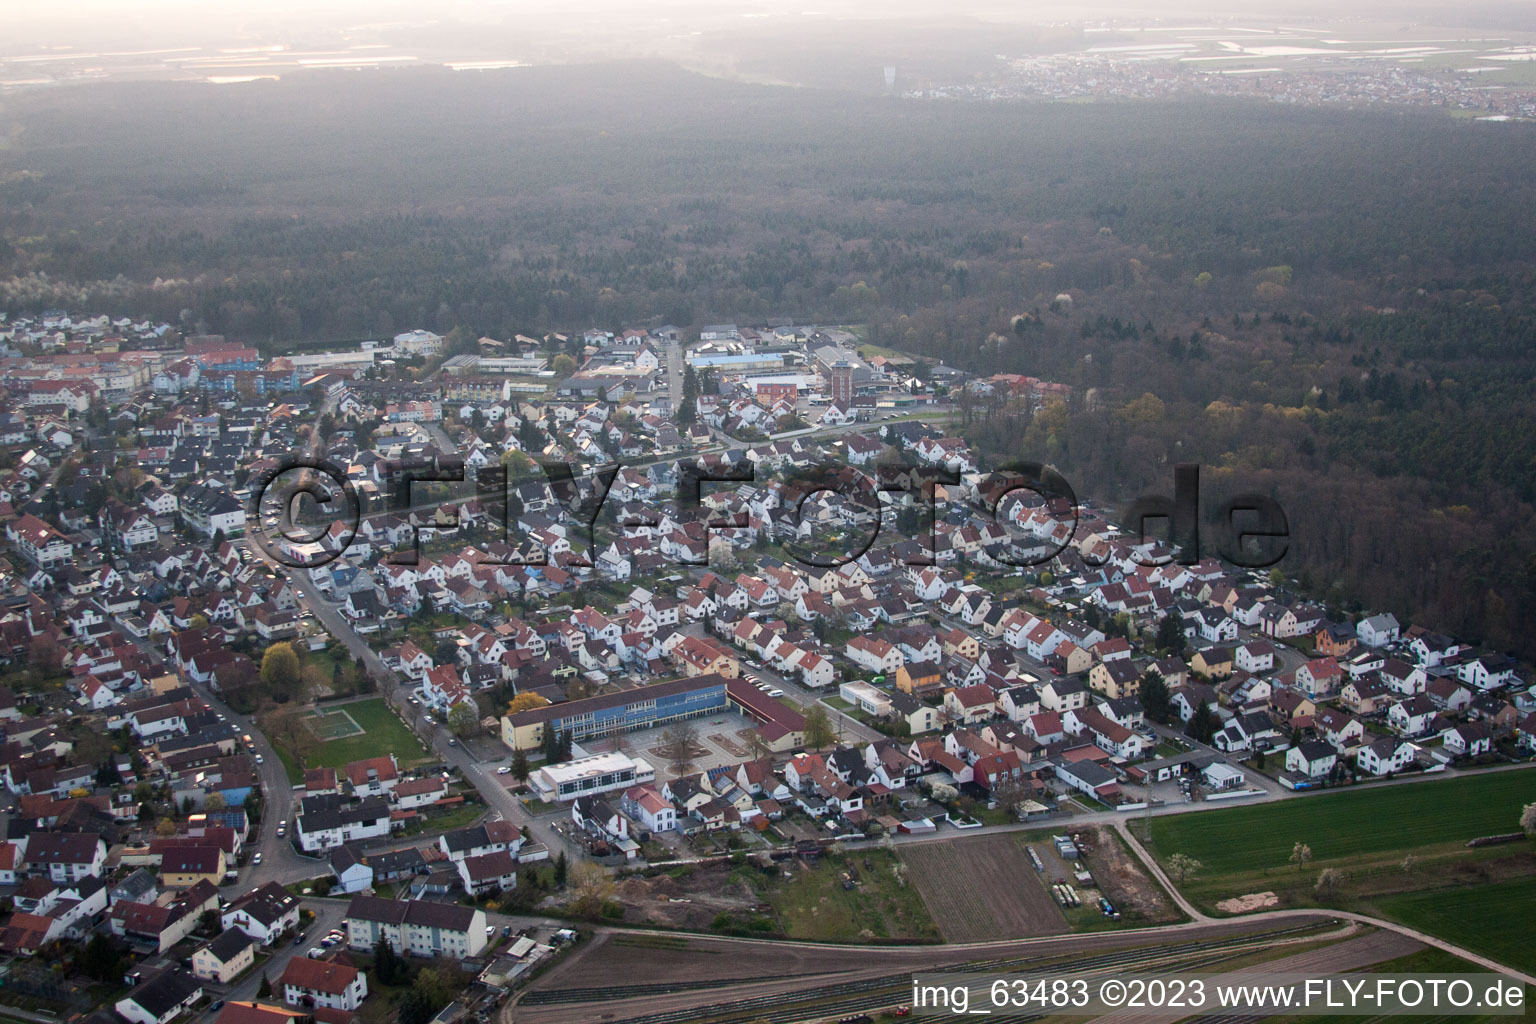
(600, 773)
(612, 713)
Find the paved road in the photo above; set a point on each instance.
(849, 729)
(397, 691)
(674, 374)
(280, 862)
(328, 915)
(439, 436)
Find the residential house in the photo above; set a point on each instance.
(160, 998)
(1385, 755)
(1312, 758)
(225, 958)
(416, 927)
(323, 983)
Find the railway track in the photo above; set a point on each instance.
(830, 1002)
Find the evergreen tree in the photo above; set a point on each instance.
(388, 965)
(520, 766)
(1154, 697)
(1170, 634)
(1202, 725)
(100, 959)
(562, 869)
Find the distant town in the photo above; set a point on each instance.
(246, 793)
(1480, 76)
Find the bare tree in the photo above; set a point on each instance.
(1012, 795)
(592, 886)
(1329, 881)
(287, 728)
(1301, 855)
(757, 744)
(677, 746)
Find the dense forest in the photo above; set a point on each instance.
(1333, 306)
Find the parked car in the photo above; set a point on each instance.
(256, 859)
(503, 770)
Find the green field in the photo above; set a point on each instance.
(1348, 823)
(383, 733)
(332, 725)
(1387, 841)
(1497, 919)
(814, 904)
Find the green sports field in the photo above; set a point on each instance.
(383, 733)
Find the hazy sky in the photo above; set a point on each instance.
(589, 28)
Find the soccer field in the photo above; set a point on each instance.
(333, 725)
(382, 733)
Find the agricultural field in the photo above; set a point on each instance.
(1494, 919)
(983, 888)
(1426, 961)
(1385, 840)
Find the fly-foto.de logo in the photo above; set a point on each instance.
(308, 512)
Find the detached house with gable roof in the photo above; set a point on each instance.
(263, 914)
(323, 983)
(39, 543)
